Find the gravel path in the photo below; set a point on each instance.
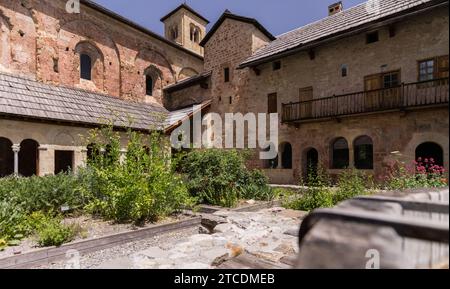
(94, 259)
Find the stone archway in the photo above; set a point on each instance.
(6, 157)
(430, 150)
(28, 158)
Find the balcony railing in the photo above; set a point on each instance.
(410, 95)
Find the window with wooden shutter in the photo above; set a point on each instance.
(306, 94)
(442, 67)
(272, 103)
(433, 68)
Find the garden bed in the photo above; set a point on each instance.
(91, 229)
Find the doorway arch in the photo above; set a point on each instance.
(28, 158)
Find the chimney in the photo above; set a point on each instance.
(335, 8)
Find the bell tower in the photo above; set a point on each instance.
(185, 27)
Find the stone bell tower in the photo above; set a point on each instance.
(186, 27)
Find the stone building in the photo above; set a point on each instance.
(359, 88)
(64, 73)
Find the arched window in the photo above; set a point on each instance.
(430, 150)
(149, 85)
(28, 158)
(6, 157)
(340, 154)
(286, 155)
(85, 67)
(363, 146)
(272, 163)
(195, 34)
(153, 81)
(174, 33)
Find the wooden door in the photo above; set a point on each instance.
(372, 84)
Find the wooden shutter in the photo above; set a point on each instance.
(306, 94)
(373, 82)
(273, 103)
(442, 67)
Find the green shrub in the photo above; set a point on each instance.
(55, 234)
(142, 188)
(220, 177)
(313, 198)
(12, 219)
(351, 184)
(47, 193)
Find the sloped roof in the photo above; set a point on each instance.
(26, 98)
(177, 117)
(340, 23)
(188, 8)
(187, 82)
(228, 14)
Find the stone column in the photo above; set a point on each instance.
(16, 150)
(351, 157)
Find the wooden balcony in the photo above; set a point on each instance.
(399, 98)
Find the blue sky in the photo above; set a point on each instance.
(278, 16)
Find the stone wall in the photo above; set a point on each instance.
(41, 40)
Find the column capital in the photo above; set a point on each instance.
(16, 148)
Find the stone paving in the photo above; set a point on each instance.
(269, 234)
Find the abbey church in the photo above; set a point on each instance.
(354, 90)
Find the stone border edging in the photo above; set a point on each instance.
(51, 254)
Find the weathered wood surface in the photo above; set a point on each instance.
(407, 230)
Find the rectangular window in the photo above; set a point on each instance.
(276, 65)
(344, 70)
(372, 37)
(433, 68)
(226, 74)
(272, 103)
(382, 80)
(391, 79)
(63, 161)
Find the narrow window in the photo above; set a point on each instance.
(272, 103)
(372, 37)
(344, 70)
(85, 67)
(276, 65)
(363, 153)
(226, 74)
(149, 85)
(426, 70)
(231, 100)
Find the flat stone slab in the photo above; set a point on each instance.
(260, 236)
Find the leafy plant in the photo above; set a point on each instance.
(351, 184)
(142, 187)
(423, 173)
(220, 177)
